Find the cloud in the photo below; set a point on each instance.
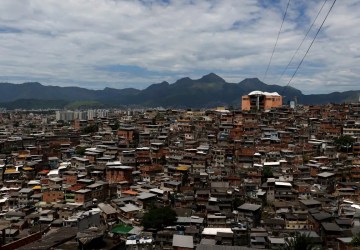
(119, 43)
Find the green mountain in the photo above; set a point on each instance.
(208, 91)
(34, 104)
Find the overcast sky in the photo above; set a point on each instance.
(118, 43)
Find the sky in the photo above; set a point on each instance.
(135, 43)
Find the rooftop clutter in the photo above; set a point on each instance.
(208, 178)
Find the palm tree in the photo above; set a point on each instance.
(300, 241)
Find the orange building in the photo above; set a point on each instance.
(53, 195)
(115, 172)
(127, 133)
(258, 100)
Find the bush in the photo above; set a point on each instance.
(159, 218)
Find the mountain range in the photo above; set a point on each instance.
(209, 91)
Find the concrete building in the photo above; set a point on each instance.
(258, 100)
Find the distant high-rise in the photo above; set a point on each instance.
(258, 100)
(64, 115)
(91, 114)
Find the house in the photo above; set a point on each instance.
(100, 191)
(24, 198)
(326, 178)
(296, 221)
(115, 172)
(273, 224)
(251, 211)
(145, 199)
(225, 238)
(188, 221)
(344, 243)
(276, 242)
(329, 233)
(53, 195)
(258, 238)
(164, 238)
(283, 191)
(108, 212)
(136, 242)
(310, 203)
(79, 162)
(47, 216)
(83, 220)
(53, 162)
(206, 246)
(84, 197)
(182, 242)
(216, 220)
(212, 232)
(128, 210)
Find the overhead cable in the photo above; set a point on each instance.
(312, 42)
(298, 48)
(277, 39)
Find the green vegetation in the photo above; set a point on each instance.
(115, 125)
(267, 173)
(84, 105)
(8, 150)
(344, 143)
(355, 242)
(31, 125)
(159, 218)
(61, 123)
(209, 91)
(306, 159)
(90, 129)
(185, 178)
(237, 202)
(80, 150)
(300, 241)
(34, 104)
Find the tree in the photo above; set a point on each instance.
(237, 202)
(267, 173)
(90, 129)
(159, 218)
(32, 125)
(171, 197)
(80, 150)
(344, 142)
(8, 150)
(185, 178)
(115, 125)
(306, 159)
(300, 241)
(355, 242)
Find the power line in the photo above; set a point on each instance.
(277, 39)
(307, 51)
(298, 48)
